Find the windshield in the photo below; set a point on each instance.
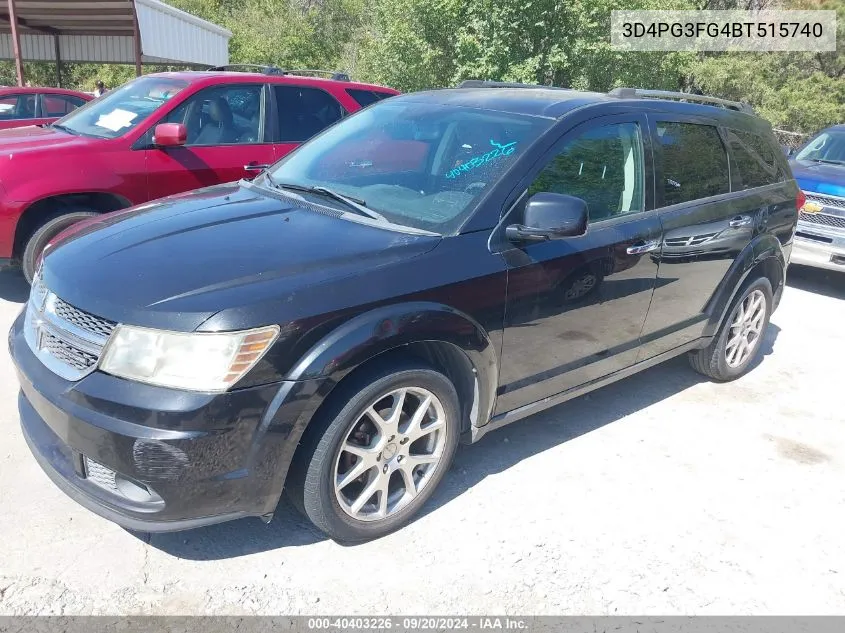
(122, 109)
(418, 164)
(827, 147)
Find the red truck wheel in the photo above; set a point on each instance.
(43, 235)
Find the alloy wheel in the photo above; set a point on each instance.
(390, 453)
(746, 328)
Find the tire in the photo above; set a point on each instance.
(321, 461)
(46, 232)
(722, 360)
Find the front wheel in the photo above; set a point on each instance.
(42, 236)
(380, 456)
(738, 341)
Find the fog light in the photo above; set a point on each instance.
(107, 479)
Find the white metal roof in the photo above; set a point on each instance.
(102, 31)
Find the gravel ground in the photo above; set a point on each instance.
(661, 494)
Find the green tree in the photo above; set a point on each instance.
(420, 44)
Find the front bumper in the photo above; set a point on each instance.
(819, 246)
(181, 459)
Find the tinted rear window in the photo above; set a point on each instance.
(695, 164)
(303, 112)
(366, 97)
(754, 162)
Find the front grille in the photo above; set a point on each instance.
(67, 353)
(823, 219)
(100, 475)
(83, 320)
(827, 201)
(67, 340)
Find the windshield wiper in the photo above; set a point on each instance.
(64, 128)
(828, 161)
(353, 203)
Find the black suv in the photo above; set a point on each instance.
(431, 268)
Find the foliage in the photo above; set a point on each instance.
(420, 44)
(800, 92)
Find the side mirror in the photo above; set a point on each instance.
(550, 216)
(170, 135)
(787, 150)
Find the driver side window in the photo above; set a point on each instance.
(222, 115)
(603, 166)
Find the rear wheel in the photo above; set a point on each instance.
(46, 232)
(389, 440)
(738, 342)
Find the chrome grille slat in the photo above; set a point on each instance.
(69, 341)
(694, 240)
(76, 358)
(83, 320)
(827, 201)
(823, 219)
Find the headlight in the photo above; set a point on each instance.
(196, 361)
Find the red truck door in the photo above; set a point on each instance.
(227, 140)
(300, 112)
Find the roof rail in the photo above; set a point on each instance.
(639, 93)
(336, 75)
(261, 68)
(482, 83)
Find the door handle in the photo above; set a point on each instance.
(255, 167)
(740, 221)
(643, 247)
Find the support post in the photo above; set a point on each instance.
(16, 40)
(58, 61)
(137, 38)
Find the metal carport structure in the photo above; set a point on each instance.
(107, 31)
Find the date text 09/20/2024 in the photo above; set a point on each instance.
(417, 623)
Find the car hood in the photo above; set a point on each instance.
(33, 137)
(175, 262)
(823, 178)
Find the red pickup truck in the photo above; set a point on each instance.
(155, 136)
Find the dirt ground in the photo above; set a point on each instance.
(661, 494)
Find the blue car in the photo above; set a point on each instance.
(819, 168)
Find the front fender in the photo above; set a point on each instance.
(347, 347)
(764, 250)
(383, 329)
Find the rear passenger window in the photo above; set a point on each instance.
(603, 167)
(363, 97)
(695, 164)
(754, 161)
(303, 112)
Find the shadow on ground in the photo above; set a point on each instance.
(818, 280)
(13, 286)
(473, 463)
